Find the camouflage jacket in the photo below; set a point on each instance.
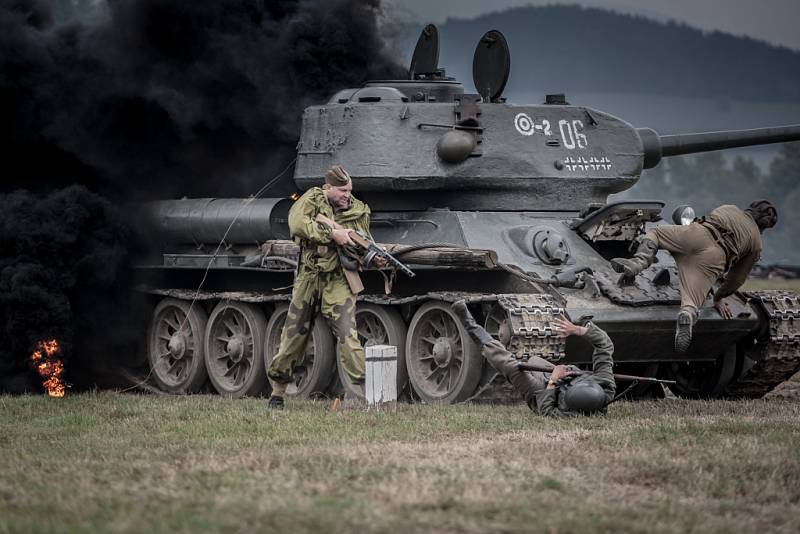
(318, 248)
(550, 402)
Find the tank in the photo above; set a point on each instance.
(502, 204)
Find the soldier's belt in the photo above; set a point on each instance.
(716, 235)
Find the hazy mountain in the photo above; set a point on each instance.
(569, 48)
(659, 74)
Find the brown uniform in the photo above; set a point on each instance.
(533, 384)
(725, 243)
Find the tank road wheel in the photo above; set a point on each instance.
(699, 380)
(378, 325)
(175, 348)
(315, 373)
(234, 349)
(444, 364)
(497, 326)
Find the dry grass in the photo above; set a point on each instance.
(109, 462)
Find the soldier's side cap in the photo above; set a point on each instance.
(337, 176)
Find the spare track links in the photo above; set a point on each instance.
(778, 352)
(530, 317)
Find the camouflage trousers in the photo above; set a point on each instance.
(315, 293)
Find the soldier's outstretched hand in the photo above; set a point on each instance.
(723, 309)
(565, 328)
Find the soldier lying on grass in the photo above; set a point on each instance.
(565, 392)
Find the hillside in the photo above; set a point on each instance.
(569, 48)
(667, 76)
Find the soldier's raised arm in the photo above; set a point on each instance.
(602, 359)
(736, 276)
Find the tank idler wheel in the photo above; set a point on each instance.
(175, 349)
(378, 325)
(444, 364)
(234, 349)
(315, 372)
(698, 380)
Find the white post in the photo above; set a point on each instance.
(381, 375)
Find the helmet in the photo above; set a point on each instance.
(764, 213)
(585, 396)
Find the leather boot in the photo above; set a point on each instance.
(276, 401)
(641, 260)
(683, 329)
(477, 332)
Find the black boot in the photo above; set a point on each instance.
(641, 260)
(683, 330)
(275, 403)
(477, 332)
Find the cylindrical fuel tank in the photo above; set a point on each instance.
(212, 220)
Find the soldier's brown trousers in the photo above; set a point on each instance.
(699, 258)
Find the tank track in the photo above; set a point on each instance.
(778, 353)
(529, 318)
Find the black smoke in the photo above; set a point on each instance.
(63, 261)
(158, 98)
(105, 103)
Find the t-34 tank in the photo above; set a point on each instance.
(500, 203)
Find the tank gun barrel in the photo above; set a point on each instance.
(658, 146)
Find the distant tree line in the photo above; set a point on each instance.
(708, 180)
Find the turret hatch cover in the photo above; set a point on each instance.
(491, 65)
(426, 54)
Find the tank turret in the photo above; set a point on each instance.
(423, 142)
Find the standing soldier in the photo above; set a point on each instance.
(565, 392)
(320, 285)
(725, 243)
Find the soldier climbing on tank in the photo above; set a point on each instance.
(566, 391)
(725, 243)
(320, 285)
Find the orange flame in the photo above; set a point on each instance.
(48, 364)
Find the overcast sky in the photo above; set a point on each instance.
(774, 21)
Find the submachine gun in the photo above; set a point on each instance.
(365, 255)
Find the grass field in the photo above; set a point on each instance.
(126, 462)
(757, 284)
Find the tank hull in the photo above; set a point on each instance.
(642, 332)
